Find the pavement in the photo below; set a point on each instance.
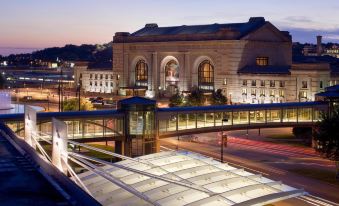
(270, 159)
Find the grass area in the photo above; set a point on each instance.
(322, 175)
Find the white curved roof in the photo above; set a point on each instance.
(187, 179)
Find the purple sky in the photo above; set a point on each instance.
(32, 24)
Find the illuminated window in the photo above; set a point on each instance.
(303, 94)
(262, 61)
(206, 76)
(225, 81)
(244, 91)
(253, 83)
(172, 73)
(253, 92)
(281, 84)
(281, 93)
(272, 83)
(272, 93)
(141, 73)
(262, 92)
(304, 84)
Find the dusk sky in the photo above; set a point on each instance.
(29, 24)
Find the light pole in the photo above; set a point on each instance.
(223, 142)
(79, 92)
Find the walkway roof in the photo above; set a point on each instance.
(210, 182)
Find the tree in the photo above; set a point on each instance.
(217, 98)
(2, 81)
(195, 98)
(176, 100)
(326, 135)
(73, 105)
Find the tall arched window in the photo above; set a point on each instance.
(172, 73)
(206, 76)
(141, 73)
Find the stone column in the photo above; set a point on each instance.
(127, 72)
(155, 74)
(188, 74)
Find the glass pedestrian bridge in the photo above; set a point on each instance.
(138, 123)
(186, 120)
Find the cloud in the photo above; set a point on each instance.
(302, 19)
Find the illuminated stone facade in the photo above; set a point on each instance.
(251, 62)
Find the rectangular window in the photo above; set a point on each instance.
(225, 81)
(106, 76)
(254, 83)
(101, 84)
(96, 76)
(272, 93)
(118, 77)
(281, 83)
(95, 83)
(101, 76)
(253, 92)
(244, 82)
(272, 83)
(80, 75)
(303, 94)
(106, 83)
(90, 76)
(262, 83)
(244, 91)
(262, 61)
(90, 83)
(111, 76)
(304, 84)
(111, 84)
(281, 93)
(321, 84)
(262, 92)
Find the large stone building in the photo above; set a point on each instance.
(251, 62)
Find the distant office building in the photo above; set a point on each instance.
(95, 77)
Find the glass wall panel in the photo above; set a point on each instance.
(162, 125)
(289, 115)
(218, 118)
(273, 115)
(305, 114)
(209, 119)
(257, 116)
(191, 121)
(243, 117)
(182, 124)
(201, 120)
(227, 116)
(236, 117)
(172, 123)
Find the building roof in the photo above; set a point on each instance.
(228, 31)
(137, 100)
(183, 178)
(100, 66)
(244, 28)
(270, 69)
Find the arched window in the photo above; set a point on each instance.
(206, 76)
(172, 73)
(141, 73)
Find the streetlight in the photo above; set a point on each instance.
(223, 142)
